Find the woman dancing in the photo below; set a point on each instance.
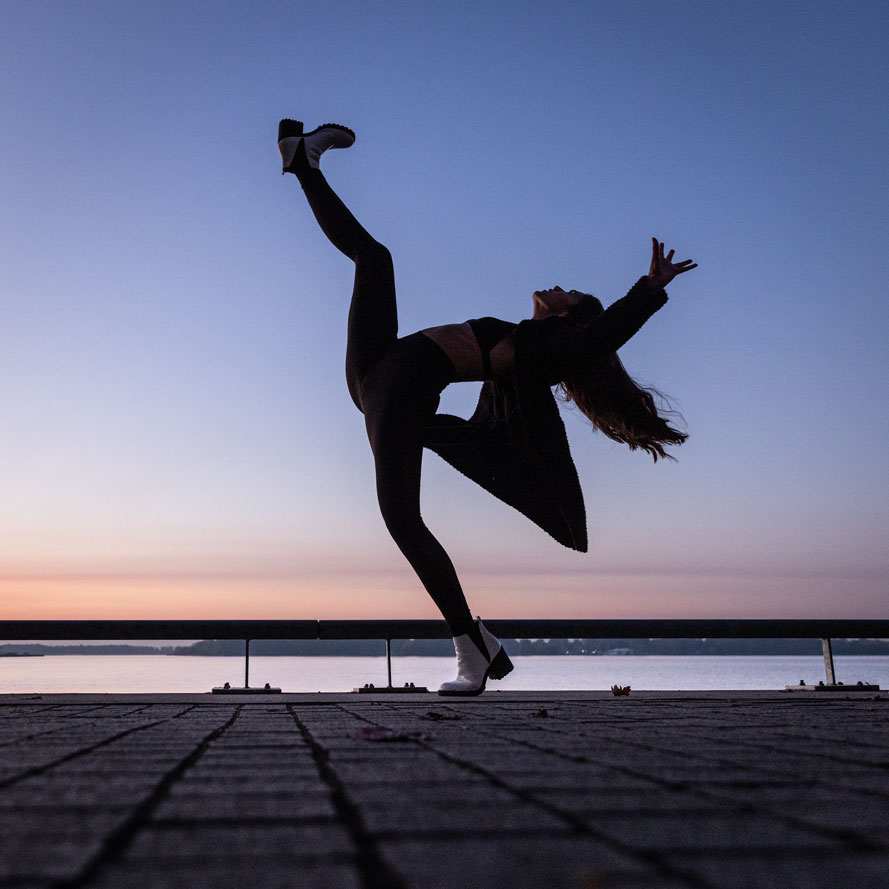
(514, 445)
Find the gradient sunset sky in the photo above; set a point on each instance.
(176, 439)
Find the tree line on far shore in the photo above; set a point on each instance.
(445, 648)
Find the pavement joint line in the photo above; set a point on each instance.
(372, 869)
(830, 757)
(31, 737)
(575, 822)
(115, 844)
(716, 760)
(843, 835)
(185, 712)
(80, 714)
(246, 821)
(808, 754)
(840, 834)
(848, 836)
(478, 833)
(33, 771)
(27, 706)
(62, 728)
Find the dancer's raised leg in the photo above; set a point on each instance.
(373, 314)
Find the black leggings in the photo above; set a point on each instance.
(396, 384)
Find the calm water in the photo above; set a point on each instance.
(159, 673)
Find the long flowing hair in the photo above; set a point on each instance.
(616, 404)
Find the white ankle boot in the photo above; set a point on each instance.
(328, 135)
(475, 667)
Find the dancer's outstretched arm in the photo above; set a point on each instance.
(580, 345)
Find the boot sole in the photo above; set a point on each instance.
(288, 129)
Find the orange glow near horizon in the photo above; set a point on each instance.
(391, 596)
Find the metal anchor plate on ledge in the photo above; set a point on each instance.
(245, 690)
(409, 687)
(833, 686)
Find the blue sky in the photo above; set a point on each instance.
(176, 439)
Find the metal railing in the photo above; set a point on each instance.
(387, 630)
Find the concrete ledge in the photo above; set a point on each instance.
(407, 698)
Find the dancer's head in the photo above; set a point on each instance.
(613, 401)
(564, 302)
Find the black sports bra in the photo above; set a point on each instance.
(488, 333)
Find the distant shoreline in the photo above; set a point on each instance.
(444, 648)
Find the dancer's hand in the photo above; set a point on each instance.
(663, 270)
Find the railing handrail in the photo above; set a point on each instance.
(604, 628)
(633, 628)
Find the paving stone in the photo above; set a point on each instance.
(195, 842)
(395, 772)
(248, 770)
(820, 805)
(580, 779)
(78, 790)
(730, 829)
(237, 806)
(45, 856)
(23, 826)
(794, 869)
(472, 791)
(528, 862)
(615, 799)
(29, 883)
(408, 817)
(209, 784)
(298, 874)
(872, 782)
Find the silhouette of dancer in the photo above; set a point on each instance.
(514, 445)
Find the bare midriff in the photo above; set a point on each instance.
(458, 342)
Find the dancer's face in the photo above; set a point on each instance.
(555, 302)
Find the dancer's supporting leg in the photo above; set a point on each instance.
(401, 396)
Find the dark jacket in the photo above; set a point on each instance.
(515, 445)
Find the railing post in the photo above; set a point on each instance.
(828, 662)
(227, 689)
(408, 686)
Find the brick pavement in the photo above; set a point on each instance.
(707, 790)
